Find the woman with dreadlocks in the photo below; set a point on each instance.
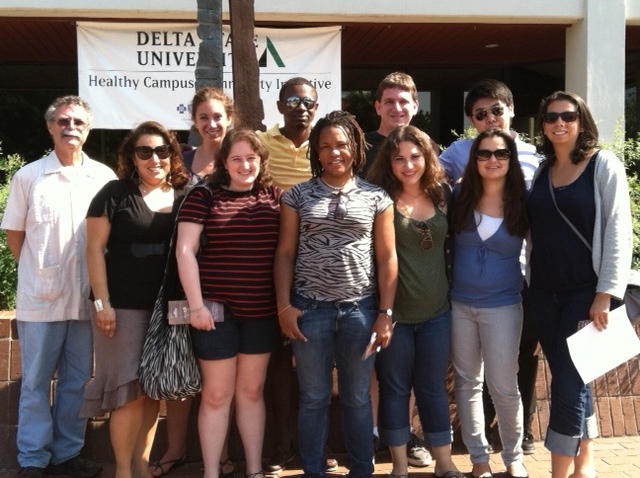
(335, 274)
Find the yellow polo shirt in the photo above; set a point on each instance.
(288, 165)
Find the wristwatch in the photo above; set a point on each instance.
(388, 312)
(99, 305)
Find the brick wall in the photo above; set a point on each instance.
(616, 396)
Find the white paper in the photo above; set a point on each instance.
(594, 353)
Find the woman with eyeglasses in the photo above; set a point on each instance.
(239, 214)
(580, 255)
(488, 222)
(335, 275)
(407, 167)
(132, 220)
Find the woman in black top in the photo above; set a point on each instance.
(132, 219)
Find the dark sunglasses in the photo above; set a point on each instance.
(566, 116)
(500, 154)
(293, 102)
(338, 206)
(146, 152)
(427, 239)
(66, 122)
(495, 111)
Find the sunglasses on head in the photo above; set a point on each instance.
(566, 116)
(495, 111)
(146, 152)
(66, 122)
(293, 102)
(500, 154)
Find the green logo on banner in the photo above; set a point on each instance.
(274, 54)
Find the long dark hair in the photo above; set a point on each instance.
(178, 175)
(347, 123)
(381, 172)
(220, 176)
(587, 139)
(472, 189)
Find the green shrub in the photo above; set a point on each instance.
(629, 151)
(8, 271)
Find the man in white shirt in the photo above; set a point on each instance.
(45, 223)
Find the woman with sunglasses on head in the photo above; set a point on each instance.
(407, 167)
(132, 220)
(335, 275)
(212, 114)
(488, 223)
(580, 255)
(239, 214)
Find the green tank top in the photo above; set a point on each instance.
(423, 288)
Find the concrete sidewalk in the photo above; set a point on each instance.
(617, 457)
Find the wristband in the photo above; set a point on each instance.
(284, 309)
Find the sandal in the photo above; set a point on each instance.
(166, 466)
(229, 466)
(256, 474)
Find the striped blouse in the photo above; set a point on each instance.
(236, 263)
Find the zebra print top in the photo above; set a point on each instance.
(335, 259)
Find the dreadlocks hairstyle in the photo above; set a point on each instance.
(381, 172)
(471, 190)
(347, 123)
(178, 176)
(588, 136)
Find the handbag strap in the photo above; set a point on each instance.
(566, 219)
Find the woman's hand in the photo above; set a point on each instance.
(288, 319)
(202, 319)
(599, 311)
(383, 328)
(106, 321)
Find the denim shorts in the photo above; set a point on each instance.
(236, 335)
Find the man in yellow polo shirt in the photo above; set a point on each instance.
(289, 165)
(288, 143)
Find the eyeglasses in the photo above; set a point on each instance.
(500, 154)
(495, 111)
(338, 206)
(427, 239)
(293, 102)
(566, 116)
(146, 152)
(66, 122)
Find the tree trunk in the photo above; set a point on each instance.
(209, 67)
(246, 73)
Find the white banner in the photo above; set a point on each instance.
(133, 72)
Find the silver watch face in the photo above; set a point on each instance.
(389, 312)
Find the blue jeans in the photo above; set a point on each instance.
(485, 343)
(45, 435)
(418, 358)
(336, 332)
(571, 416)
